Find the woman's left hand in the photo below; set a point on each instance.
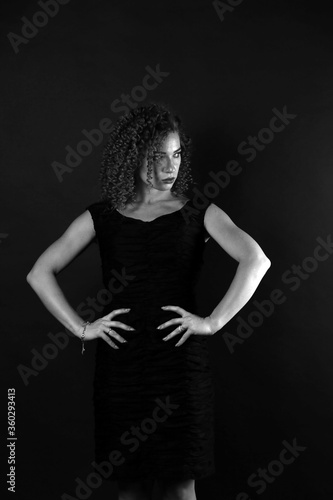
(188, 324)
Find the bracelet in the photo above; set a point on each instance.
(85, 324)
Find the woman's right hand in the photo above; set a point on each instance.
(101, 328)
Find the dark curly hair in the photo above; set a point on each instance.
(136, 133)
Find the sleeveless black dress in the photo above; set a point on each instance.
(153, 402)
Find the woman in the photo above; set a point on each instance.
(153, 388)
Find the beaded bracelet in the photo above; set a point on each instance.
(85, 324)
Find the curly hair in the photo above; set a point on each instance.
(137, 133)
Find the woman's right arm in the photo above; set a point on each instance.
(42, 277)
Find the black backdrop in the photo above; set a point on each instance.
(227, 70)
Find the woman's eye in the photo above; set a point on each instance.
(157, 157)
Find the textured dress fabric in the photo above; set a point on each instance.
(153, 401)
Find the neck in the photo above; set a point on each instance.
(147, 195)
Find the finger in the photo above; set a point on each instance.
(119, 324)
(115, 335)
(171, 322)
(183, 339)
(108, 340)
(173, 334)
(115, 312)
(177, 309)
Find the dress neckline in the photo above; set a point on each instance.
(149, 221)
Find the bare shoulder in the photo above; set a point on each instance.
(236, 242)
(79, 233)
(216, 217)
(71, 243)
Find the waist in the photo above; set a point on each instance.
(146, 304)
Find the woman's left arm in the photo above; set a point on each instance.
(253, 264)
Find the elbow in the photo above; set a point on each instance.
(35, 275)
(266, 262)
(31, 277)
(259, 261)
(263, 262)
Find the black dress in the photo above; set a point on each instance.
(153, 402)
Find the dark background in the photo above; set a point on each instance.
(225, 77)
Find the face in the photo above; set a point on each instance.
(166, 164)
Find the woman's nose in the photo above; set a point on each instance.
(170, 166)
